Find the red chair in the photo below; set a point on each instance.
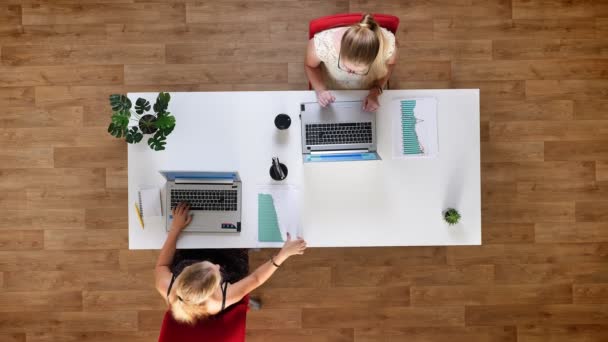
(228, 326)
(389, 22)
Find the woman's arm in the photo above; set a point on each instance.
(371, 103)
(312, 68)
(238, 290)
(162, 272)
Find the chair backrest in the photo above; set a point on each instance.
(228, 326)
(389, 22)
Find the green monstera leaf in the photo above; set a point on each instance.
(134, 136)
(120, 103)
(165, 123)
(158, 141)
(118, 126)
(162, 103)
(142, 105)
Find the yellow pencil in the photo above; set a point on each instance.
(141, 220)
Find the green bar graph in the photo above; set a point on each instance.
(411, 145)
(268, 224)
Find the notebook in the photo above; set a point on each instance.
(278, 213)
(414, 128)
(149, 202)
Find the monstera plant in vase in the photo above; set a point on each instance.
(133, 124)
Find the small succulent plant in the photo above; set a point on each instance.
(451, 216)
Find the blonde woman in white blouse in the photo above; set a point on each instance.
(361, 56)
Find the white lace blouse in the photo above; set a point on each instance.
(335, 78)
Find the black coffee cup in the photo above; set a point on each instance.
(282, 121)
(274, 174)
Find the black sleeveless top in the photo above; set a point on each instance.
(234, 265)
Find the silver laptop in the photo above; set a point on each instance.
(342, 131)
(214, 199)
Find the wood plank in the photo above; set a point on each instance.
(547, 69)
(383, 317)
(549, 9)
(14, 240)
(93, 336)
(181, 33)
(497, 29)
(437, 334)
(106, 218)
(576, 150)
(590, 293)
(567, 89)
(549, 130)
(536, 314)
(58, 260)
(484, 131)
(149, 319)
(306, 277)
(116, 177)
(91, 157)
(496, 233)
(27, 76)
(83, 280)
(569, 271)
(591, 110)
(562, 333)
(592, 211)
(528, 254)
(12, 199)
(14, 337)
(30, 219)
(512, 152)
(494, 90)
(57, 137)
(275, 319)
(70, 239)
(36, 301)
(45, 55)
(571, 232)
(52, 34)
(444, 50)
(351, 297)
(300, 335)
(17, 96)
(423, 71)
(205, 73)
(79, 198)
(418, 30)
(491, 294)
(419, 9)
(26, 157)
(15, 179)
(520, 212)
(411, 275)
(601, 171)
(261, 11)
(123, 300)
(138, 260)
(284, 31)
(61, 13)
(236, 52)
(549, 48)
(68, 321)
(538, 171)
(498, 193)
(397, 83)
(560, 191)
(10, 14)
(23, 117)
(512, 110)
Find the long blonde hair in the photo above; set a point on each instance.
(363, 43)
(191, 292)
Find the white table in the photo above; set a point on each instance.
(392, 202)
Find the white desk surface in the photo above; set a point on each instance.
(392, 202)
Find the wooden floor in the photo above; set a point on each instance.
(542, 66)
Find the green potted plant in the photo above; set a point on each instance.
(132, 125)
(451, 216)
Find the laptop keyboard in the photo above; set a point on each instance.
(339, 133)
(211, 200)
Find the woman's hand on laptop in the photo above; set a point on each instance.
(371, 103)
(325, 97)
(181, 217)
